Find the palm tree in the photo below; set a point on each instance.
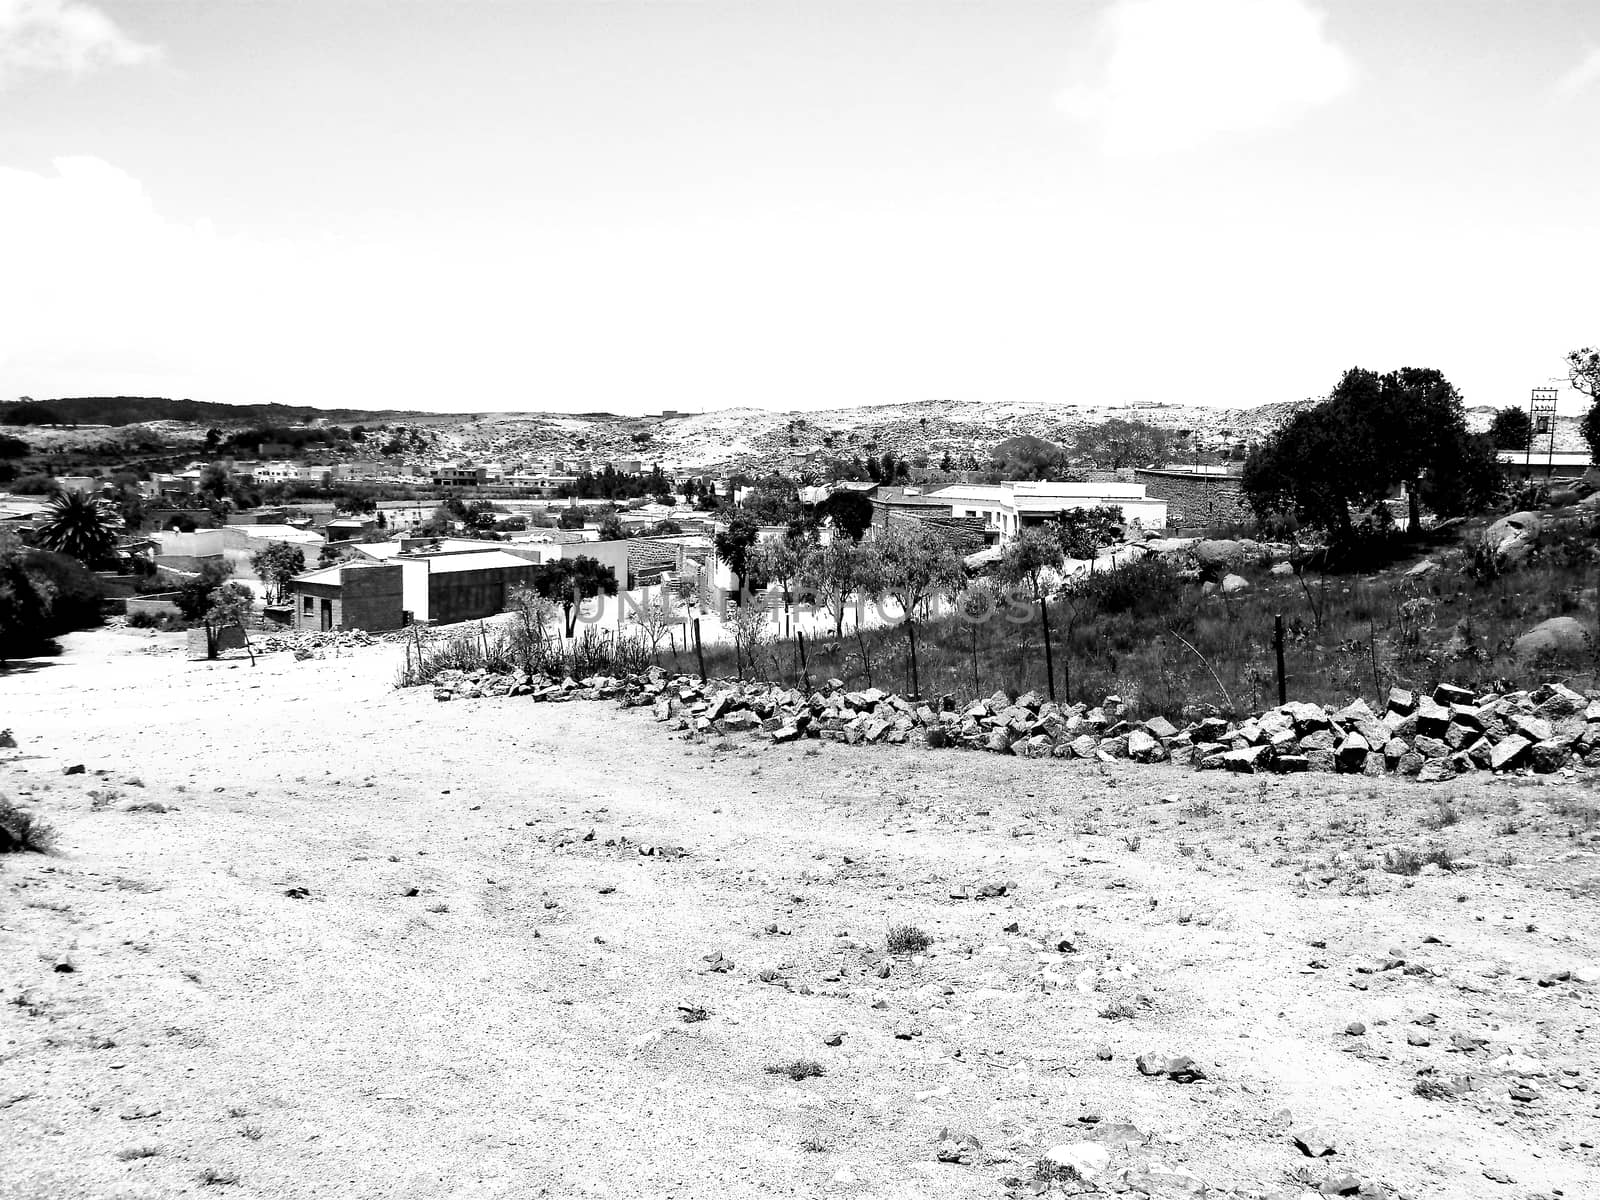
(81, 525)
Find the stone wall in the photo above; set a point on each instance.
(1195, 500)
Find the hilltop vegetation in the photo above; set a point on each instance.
(133, 410)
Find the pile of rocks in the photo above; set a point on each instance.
(305, 641)
(1425, 737)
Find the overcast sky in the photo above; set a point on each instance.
(629, 205)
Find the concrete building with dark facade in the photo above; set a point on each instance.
(437, 588)
(349, 596)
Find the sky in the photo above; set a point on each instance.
(630, 205)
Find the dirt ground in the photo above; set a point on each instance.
(477, 992)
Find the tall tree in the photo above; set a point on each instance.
(734, 545)
(1030, 562)
(276, 564)
(911, 563)
(1119, 443)
(1583, 372)
(1373, 432)
(850, 512)
(834, 573)
(1511, 429)
(83, 526)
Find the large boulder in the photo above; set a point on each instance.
(1234, 585)
(1218, 555)
(1514, 537)
(1561, 636)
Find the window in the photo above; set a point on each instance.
(310, 605)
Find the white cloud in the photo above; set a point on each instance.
(1582, 77)
(62, 35)
(1170, 75)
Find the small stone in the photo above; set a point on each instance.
(834, 1037)
(1355, 1029)
(1086, 1159)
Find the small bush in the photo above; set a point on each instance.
(798, 1069)
(143, 618)
(907, 939)
(1444, 813)
(22, 831)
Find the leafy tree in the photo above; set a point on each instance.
(834, 573)
(734, 544)
(573, 518)
(355, 503)
(1466, 480)
(669, 526)
(33, 485)
(611, 529)
(82, 526)
(1082, 531)
(11, 447)
(850, 512)
(276, 564)
(1374, 431)
(1028, 563)
(1119, 443)
(194, 596)
(24, 605)
(571, 581)
(230, 605)
(911, 563)
(1583, 372)
(784, 562)
(1026, 457)
(1511, 429)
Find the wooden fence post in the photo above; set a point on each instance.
(1277, 644)
(699, 653)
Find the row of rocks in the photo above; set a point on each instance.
(1427, 737)
(304, 641)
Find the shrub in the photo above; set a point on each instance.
(798, 1069)
(1143, 587)
(22, 831)
(907, 939)
(143, 618)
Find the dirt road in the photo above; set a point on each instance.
(379, 946)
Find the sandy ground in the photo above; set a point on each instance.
(473, 998)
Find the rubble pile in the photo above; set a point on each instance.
(304, 642)
(1429, 738)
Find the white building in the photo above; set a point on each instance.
(1009, 506)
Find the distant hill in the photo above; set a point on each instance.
(132, 410)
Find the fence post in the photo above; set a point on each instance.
(1277, 644)
(805, 675)
(699, 653)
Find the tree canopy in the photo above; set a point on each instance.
(1373, 432)
(1511, 429)
(1120, 443)
(83, 526)
(849, 510)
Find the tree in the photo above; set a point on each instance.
(1082, 531)
(194, 596)
(1373, 432)
(276, 564)
(355, 503)
(911, 563)
(1511, 429)
(784, 562)
(1028, 563)
(571, 581)
(850, 512)
(24, 605)
(83, 526)
(611, 528)
(572, 518)
(1466, 480)
(1118, 443)
(834, 573)
(230, 605)
(734, 544)
(1026, 457)
(1583, 372)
